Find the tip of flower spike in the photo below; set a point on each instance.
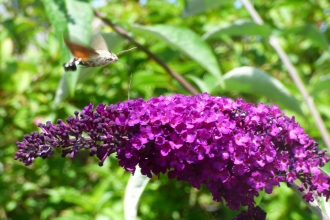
(235, 148)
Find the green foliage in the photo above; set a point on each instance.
(238, 28)
(194, 47)
(208, 46)
(254, 81)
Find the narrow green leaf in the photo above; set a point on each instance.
(254, 81)
(192, 7)
(310, 32)
(57, 15)
(62, 91)
(74, 17)
(187, 42)
(72, 79)
(238, 28)
(80, 16)
(79, 27)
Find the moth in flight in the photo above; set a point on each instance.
(89, 57)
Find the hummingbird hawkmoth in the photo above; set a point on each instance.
(89, 57)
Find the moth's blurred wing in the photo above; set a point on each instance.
(79, 51)
(98, 42)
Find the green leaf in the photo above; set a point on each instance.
(72, 79)
(62, 91)
(202, 85)
(320, 85)
(192, 7)
(254, 81)
(259, 198)
(142, 79)
(57, 15)
(145, 82)
(310, 32)
(74, 17)
(80, 16)
(101, 194)
(69, 195)
(238, 28)
(22, 81)
(6, 50)
(79, 27)
(69, 78)
(324, 58)
(187, 42)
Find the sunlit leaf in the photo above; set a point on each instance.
(80, 15)
(72, 79)
(6, 49)
(56, 13)
(65, 17)
(238, 28)
(254, 81)
(62, 91)
(79, 27)
(23, 81)
(187, 42)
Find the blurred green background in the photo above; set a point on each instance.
(214, 45)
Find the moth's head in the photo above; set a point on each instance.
(108, 55)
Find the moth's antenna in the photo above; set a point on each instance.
(124, 51)
(129, 86)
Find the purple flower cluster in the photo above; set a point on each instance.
(234, 148)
